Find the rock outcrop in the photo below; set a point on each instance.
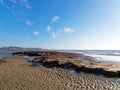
(78, 62)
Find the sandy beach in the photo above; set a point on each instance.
(18, 74)
(59, 44)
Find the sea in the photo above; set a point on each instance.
(5, 53)
(100, 55)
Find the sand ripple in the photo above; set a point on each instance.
(17, 74)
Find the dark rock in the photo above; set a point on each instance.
(69, 60)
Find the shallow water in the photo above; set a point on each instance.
(37, 64)
(105, 57)
(30, 58)
(5, 54)
(100, 55)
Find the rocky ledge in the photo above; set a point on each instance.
(78, 62)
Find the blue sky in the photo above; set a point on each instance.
(60, 24)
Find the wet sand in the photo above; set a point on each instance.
(18, 74)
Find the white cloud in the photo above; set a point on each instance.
(16, 6)
(20, 3)
(49, 28)
(55, 34)
(9, 7)
(28, 23)
(36, 33)
(68, 29)
(55, 19)
(60, 31)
